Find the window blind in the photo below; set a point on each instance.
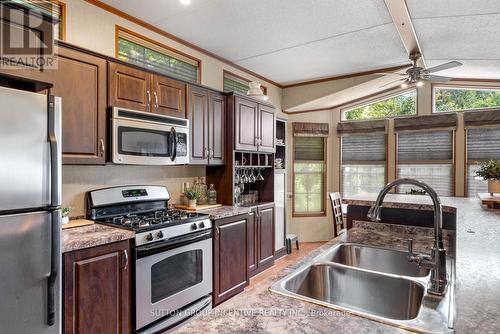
(309, 148)
(426, 156)
(144, 53)
(235, 84)
(363, 163)
(483, 144)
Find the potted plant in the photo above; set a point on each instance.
(192, 195)
(490, 171)
(65, 214)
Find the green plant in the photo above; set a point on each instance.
(65, 211)
(416, 192)
(192, 194)
(489, 170)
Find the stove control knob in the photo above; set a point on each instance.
(194, 226)
(149, 237)
(201, 225)
(159, 234)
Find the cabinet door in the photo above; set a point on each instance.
(230, 256)
(217, 129)
(169, 97)
(129, 88)
(80, 81)
(198, 123)
(266, 236)
(245, 127)
(96, 283)
(267, 126)
(252, 242)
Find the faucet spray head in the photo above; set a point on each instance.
(374, 213)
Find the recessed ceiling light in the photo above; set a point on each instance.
(185, 2)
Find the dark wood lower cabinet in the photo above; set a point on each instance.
(96, 289)
(266, 236)
(230, 257)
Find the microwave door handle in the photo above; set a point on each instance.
(174, 148)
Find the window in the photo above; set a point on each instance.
(403, 103)
(363, 164)
(141, 51)
(483, 144)
(428, 157)
(53, 8)
(464, 98)
(235, 83)
(309, 171)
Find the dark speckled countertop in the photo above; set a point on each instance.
(477, 249)
(229, 211)
(91, 235)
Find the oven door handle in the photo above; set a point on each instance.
(174, 144)
(161, 246)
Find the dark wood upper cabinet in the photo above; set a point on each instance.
(129, 87)
(198, 123)
(169, 97)
(80, 80)
(266, 236)
(267, 125)
(96, 289)
(230, 257)
(246, 115)
(217, 129)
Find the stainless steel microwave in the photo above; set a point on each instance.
(144, 138)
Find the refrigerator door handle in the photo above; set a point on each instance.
(54, 267)
(54, 133)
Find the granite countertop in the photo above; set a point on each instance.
(420, 202)
(91, 235)
(477, 289)
(230, 211)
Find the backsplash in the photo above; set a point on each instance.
(77, 180)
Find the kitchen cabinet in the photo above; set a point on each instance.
(230, 257)
(96, 289)
(254, 126)
(207, 119)
(135, 89)
(261, 238)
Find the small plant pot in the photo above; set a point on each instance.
(494, 186)
(65, 220)
(192, 203)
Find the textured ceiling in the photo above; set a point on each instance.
(463, 30)
(284, 40)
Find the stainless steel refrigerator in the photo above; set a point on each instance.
(30, 215)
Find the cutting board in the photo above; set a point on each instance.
(77, 223)
(198, 207)
(492, 201)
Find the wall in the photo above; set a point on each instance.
(314, 229)
(93, 28)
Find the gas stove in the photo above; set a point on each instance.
(144, 210)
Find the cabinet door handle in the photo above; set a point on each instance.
(101, 142)
(210, 153)
(125, 256)
(156, 100)
(205, 153)
(148, 101)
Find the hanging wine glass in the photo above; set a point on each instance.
(244, 177)
(251, 179)
(237, 193)
(259, 176)
(236, 176)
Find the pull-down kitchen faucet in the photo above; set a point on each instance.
(436, 262)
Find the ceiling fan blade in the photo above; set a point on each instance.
(391, 74)
(444, 66)
(437, 78)
(392, 82)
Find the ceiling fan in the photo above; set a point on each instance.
(417, 75)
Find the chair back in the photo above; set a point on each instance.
(338, 215)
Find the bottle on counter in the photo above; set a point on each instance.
(212, 195)
(202, 188)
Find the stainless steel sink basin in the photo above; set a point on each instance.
(374, 258)
(380, 295)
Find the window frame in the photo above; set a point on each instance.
(324, 180)
(435, 86)
(147, 40)
(378, 98)
(431, 162)
(226, 72)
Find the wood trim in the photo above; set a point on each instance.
(224, 72)
(346, 76)
(168, 35)
(62, 5)
(119, 28)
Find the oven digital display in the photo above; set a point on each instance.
(134, 193)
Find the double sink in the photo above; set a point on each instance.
(375, 283)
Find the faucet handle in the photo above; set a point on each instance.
(409, 242)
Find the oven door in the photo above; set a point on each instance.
(169, 277)
(143, 143)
